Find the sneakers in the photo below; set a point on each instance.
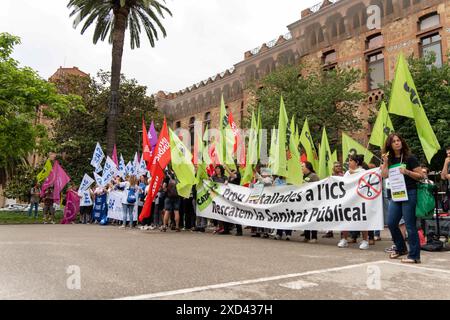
(343, 243)
(45, 222)
(364, 245)
(312, 241)
(122, 227)
(151, 228)
(53, 222)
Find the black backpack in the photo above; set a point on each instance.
(172, 189)
(433, 243)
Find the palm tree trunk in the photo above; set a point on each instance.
(121, 16)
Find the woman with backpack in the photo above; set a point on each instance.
(129, 199)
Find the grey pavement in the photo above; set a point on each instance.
(36, 260)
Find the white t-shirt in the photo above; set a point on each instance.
(348, 173)
(126, 186)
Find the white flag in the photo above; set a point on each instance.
(142, 167)
(109, 171)
(85, 183)
(97, 157)
(122, 167)
(98, 180)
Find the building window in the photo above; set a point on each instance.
(376, 70)
(178, 125)
(207, 121)
(192, 131)
(432, 44)
(375, 41)
(329, 60)
(429, 21)
(242, 113)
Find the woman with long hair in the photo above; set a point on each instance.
(396, 151)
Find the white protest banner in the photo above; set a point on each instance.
(98, 180)
(115, 208)
(85, 183)
(109, 171)
(85, 200)
(397, 183)
(353, 203)
(97, 157)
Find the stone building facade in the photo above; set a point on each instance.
(332, 33)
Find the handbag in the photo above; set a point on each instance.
(425, 200)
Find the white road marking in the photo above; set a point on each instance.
(299, 285)
(244, 282)
(414, 266)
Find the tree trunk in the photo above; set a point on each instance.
(121, 16)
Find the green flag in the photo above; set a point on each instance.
(273, 146)
(280, 162)
(182, 165)
(382, 128)
(334, 157)
(351, 146)
(227, 137)
(325, 169)
(405, 101)
(45, 172)
(308, 144)
(294, 171)
(252, 150)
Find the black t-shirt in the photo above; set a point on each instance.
(411, 164)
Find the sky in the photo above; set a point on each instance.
(204, 37)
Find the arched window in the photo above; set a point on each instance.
(207, 121)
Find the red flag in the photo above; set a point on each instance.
(304, 157)
(114, 156)
(161, 159)
(155, 184)
(235, 131)
(146, 150)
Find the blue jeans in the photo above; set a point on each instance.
(128, 211)
(407, 210)
(36, 206)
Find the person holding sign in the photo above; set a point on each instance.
(404, 172)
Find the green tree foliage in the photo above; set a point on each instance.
(19, 186)
(22, 95)
(76, 133)
(326, 98)
(433, 88)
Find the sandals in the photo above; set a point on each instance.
(396, 254)
(410, 261)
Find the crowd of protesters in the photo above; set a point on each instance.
(169, 211)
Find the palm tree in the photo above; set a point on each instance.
(112, 18)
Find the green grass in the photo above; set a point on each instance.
(20, 217)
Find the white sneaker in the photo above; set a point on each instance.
(312, 241)
(122, 227)
(364, 245)
(343, 243)
(151, 228)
